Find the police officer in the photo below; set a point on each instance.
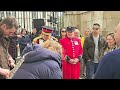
(45, 35)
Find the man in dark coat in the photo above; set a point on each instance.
(93, 45)
(40, 63)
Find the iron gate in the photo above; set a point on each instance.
(36, 19)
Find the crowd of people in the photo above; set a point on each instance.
(69, 56)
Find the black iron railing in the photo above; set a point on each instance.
(36, 19)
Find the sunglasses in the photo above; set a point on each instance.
(63, 31)
(95, 28)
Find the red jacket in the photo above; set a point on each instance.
(71, 47)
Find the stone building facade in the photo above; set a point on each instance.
(108, 20)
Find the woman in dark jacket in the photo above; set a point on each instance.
(40, 63)
(24, 40)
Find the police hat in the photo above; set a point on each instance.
(47, 30)
(70, 29)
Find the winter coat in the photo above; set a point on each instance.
(23, 42)
(40, 63)
(109, 67)
(89, 47)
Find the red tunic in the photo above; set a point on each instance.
(72, 48)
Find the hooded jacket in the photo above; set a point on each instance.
(39, 63)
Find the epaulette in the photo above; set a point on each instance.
(35, 39)
(54, 38)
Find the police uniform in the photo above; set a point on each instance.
(47, 30)
(72, 48)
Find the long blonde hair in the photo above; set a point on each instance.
(53, 46)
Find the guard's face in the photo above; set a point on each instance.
(46, 37)
(70, 34)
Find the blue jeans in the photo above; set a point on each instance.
(91, 68)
